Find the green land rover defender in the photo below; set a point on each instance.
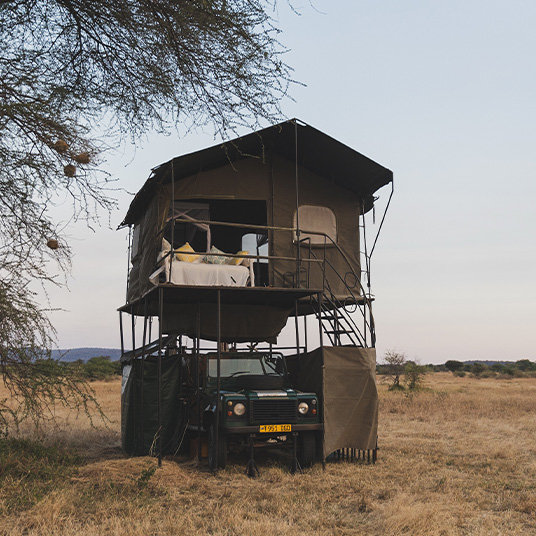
(257, 406)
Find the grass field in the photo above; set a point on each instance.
(458, 457)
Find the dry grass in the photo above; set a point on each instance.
(456, 458)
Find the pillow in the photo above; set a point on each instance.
(235, 261)
(182, 253)
(216, 257)
(166, 246)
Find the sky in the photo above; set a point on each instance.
(441, 93)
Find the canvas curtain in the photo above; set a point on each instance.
(350, 398)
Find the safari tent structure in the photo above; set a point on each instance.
(230, 243)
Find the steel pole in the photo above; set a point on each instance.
(160, 319)
(218, 387)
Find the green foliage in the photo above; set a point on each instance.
(77, 79)
(145, 476)
(100, 368)
(413, 375)
(525, 365)
(509, 370)
(394, 363)
(478, 368)
(432, 367)
(459, 373)
(453, 365)
(29, 470)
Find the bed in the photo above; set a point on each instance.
(203, 274)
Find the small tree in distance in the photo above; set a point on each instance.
(453, 365)
(395, 362)
(413, 375)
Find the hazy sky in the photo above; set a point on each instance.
(443, 94)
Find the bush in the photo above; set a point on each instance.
(509, 370)
(100, 368)
(394, 363)
(413, 375)
(453, 366)
(478, 368)
(525, 365)
(459, 373)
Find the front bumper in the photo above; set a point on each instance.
(254, 429)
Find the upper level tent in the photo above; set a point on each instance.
(277, 208)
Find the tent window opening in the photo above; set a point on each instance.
(203, 236)
(197, 234)
(256, 244)
(318, 220)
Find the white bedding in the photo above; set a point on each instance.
(189, 273)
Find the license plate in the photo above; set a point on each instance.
(270, 428)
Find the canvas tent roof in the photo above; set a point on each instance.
(316, 151)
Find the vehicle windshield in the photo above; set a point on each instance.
(235, 365)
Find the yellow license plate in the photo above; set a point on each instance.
(270, 428)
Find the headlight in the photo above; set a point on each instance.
(239, 409)
(303, 408)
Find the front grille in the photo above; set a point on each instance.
(268, 411)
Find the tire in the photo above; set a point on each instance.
(222, 449)
(307, 449)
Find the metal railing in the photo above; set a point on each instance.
(345, 325)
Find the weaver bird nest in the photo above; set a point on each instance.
(69, 170)
(82, 158)
(61, 146)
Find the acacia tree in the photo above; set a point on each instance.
(395, 362)
(126, 67)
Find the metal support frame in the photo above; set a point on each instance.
(251, 468)
(296, 327)
(197, 376)
(142, 402)
(121, 332)
(218, 385)
(160, 320)
(298, 233)
(294, 464)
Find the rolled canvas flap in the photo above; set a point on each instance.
(350, 398)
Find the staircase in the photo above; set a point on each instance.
(336, 317)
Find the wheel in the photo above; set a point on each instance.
(307, 449)
(222, 449)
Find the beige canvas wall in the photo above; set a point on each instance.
(350, 398)
(255, 179)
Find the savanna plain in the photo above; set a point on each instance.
(457, 457)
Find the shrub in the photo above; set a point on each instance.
(525, 365)
(395, 362)
(509, 370)
(100, 368)
(413, 375)
(459, 373)
(453, 365)
(478, 368)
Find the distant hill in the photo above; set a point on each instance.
(74, 354)
(488, 363)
